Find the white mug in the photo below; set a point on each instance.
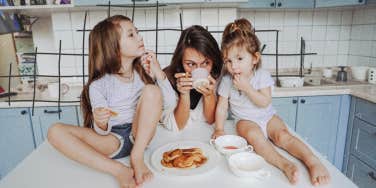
(372, 75)
(200, 77)
(327, 73)
(53, 89)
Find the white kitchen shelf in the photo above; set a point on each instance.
(28, 7)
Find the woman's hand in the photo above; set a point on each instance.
(241, 82)
(217, 133)
(184, 82)
(207, 90)
(151, 65)
(101, 117)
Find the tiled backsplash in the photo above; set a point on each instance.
(340, 36)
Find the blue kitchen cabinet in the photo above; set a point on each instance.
(320, 120)
(361, 174)
(295, 3)
(360, 153)
(279, 4)
(337, 3)
(44, 117)
(317, 123)
(16, 138)
(80, 117)
(286, 109)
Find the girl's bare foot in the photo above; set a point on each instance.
(319, 174)
(125, 177)
(142, 172)
(291, 171)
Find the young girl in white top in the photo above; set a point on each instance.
(247, 88)
(121, 107)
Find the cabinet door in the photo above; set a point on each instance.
(295, 3)
(363, 142)
(16, 138)
(317, 122)
(44, 117)
(286, 109)
(259, 4)
(335, 3)
(361, 174)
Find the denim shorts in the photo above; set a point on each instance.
(124, 133)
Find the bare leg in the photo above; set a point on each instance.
(252, 132)
(87, 147)
(148, 113)
(280, 135)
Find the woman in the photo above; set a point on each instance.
(196, 48)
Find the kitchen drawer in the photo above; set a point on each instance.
(363, 142)
(366, 111)
(361, 174)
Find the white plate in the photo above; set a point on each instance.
(209, 152)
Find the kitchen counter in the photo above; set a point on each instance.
(46, 167)
(363, 91)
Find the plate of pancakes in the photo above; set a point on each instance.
(184, 158)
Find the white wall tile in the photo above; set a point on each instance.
(343, 47)
(356, 32)
(332, 32)
(306, 17)
(291, 18)
(370, 15)
(346, 18)
(305, 32)
(66, 38)
(248, 14)
(330, 60)
(171, 18)
(209, 17)
(77, 19)
(320, 17)
(374, 50)
(334, 17)
(276, 18)
(227, 15)
(61, 21)
(342, 60)
(150, 16)
(118, 12)
(140, 19)
(191, 17)
(319, 33)
(261, 19)
(289, 33)
(318, 47)
(367, 31)
(331, 48)
(95, 17)
(345, 33)
(358, 16)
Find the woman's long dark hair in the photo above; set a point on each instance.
(201, 40)
(105, 58)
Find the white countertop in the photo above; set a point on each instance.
(364, 91)
(46, 167)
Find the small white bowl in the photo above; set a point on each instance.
(230, 144)
(248, 164)
(291, 81)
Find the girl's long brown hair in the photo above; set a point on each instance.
(105, 58)
(240, 33)
(200, 39)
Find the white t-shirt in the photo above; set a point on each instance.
(109, 91)
(170, 101)
(241, 106)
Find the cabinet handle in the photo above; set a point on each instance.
(302, 101)
(360, 1)
(23, 112)
(272, 4)
(52, 111)
(279, 4)
(294, 101)
(372, 175)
